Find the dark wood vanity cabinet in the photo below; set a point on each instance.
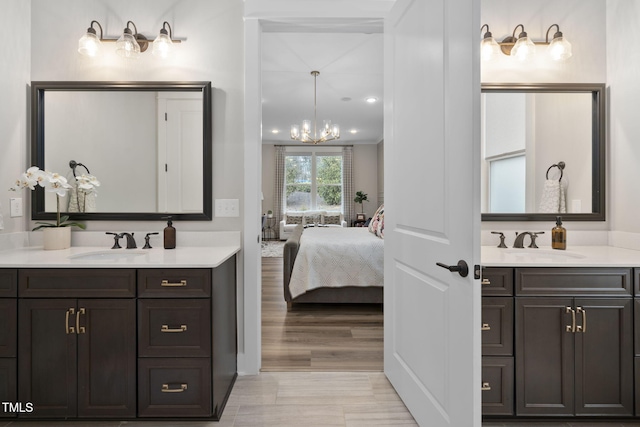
(118, 343)
(77, 356)
(186, 341)
(574, 342)
(497, 341)
(8, 337)
(569, 333)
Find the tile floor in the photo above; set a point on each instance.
(310, 399)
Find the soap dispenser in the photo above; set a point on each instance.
(169, 235)
(559, 235)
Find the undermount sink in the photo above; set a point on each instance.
(544, 253)
(113, 255)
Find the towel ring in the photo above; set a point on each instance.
(560, 166)
(73, 165)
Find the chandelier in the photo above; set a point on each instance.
(328, 132)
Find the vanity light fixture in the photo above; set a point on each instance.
(522, 47)
(130, 44)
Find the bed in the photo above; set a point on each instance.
(333, 265)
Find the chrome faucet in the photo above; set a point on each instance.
(519, 242)
(131, 242)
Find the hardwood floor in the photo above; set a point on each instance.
(317, 337)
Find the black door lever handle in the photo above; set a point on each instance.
(461, 268)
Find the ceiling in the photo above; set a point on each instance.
(350, 63)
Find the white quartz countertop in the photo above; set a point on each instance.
(576, 256)
(100, 257)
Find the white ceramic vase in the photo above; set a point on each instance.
(56, 238)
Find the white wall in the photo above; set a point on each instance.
(623, 69)
(15, 34)
(380, 172)
(583, 23)
(213, 51)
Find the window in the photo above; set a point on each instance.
(507, 182)
(313, 181)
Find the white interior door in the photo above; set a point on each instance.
(180, 156)
(432, 209)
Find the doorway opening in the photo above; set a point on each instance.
(322, 337)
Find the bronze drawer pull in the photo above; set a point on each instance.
(80, 329)
(486, 387)
(69, 329)
(485, 327)
(572, 326)
(166, 389)
(486, 282)
(582, 328)
(165, 328)
(167, 284)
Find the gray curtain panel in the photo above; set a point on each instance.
(347, 185)
(278, 189)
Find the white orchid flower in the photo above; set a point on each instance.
(58, 187)
(88, 183)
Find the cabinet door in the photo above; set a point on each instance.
(106, 358)
(8, 318)
(544, 356)
(497, 326)
(47, 357)
(604, 357)
(8, 384)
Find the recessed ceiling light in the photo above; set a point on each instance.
(275, 131)
(371, 99)
(353, 131)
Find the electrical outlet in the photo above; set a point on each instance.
(15, 206)
(227, 207)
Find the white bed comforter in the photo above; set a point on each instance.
(337, 257)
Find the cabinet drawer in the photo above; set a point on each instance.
(497, 326)
(8, 327)
(497, 386)
(169, 387)
(497, 281)
(568, 281)
(174, 328)
(8, 387)
(174, 283)
(77, 283)
(8, 283)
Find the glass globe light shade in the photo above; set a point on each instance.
(127, 46)
(162, 45)
(524, 48)
(89, 45)
(560, 49)
(489, 47)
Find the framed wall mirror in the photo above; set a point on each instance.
(149, 144)
(543, 152)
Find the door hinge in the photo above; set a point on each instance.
(165, 117)
(166, 167)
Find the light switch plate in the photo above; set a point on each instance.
(15, 206)
(227, 207)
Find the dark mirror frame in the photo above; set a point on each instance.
(38, 92)
(598, 150)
